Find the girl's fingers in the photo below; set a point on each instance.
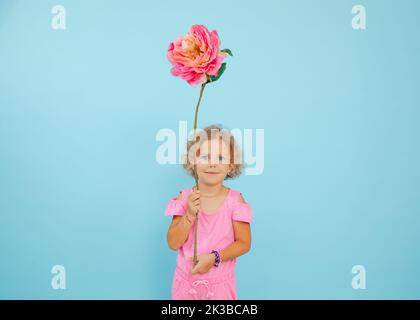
(195, 196)
(194, 202)
(195, 268)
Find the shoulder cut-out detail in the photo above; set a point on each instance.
(176, 205)
(241, 210)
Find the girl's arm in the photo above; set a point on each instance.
(178, 231)
(242, 243)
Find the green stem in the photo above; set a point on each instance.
(195, 173)
(198, 105)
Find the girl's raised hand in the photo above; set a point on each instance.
(193, 204)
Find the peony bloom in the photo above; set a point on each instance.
(196, 55)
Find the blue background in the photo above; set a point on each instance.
(80, 109)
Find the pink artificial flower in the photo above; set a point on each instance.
(197, 58)
(196, 55)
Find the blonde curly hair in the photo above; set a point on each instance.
(215, 131)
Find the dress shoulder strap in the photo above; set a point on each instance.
(186, 192)
(234, 195)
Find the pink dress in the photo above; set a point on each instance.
(215, 232)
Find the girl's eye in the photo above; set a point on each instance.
(206, 157)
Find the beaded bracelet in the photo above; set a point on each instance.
(217, 255)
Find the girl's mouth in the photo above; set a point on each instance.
(211, 172)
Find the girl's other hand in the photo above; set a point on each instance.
(204, 264)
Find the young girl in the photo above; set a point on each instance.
(224, 218)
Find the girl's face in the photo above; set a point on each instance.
(213, 162)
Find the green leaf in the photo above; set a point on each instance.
(227, 51)
(219, 73)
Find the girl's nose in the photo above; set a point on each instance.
(214, 161)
